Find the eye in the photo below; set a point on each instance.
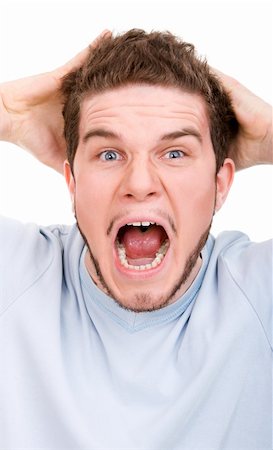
(110, 155)
(174, 154)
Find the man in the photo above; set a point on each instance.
(136, 329)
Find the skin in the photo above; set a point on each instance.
(31, 117)
(31, 111)
(152, 173)
(253, 145)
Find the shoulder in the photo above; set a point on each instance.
(248, 266)
(27, 252)
(25, 240)
(244, 258)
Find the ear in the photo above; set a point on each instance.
(70, 181)
(224, 179)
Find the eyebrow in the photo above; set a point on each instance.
(189, 131)
(102, 132)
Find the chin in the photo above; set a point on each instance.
(139, 287)
(143, 302)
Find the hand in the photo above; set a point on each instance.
(254, 142)
(31, 112)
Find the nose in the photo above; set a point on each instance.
(141, 181)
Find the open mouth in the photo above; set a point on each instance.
(141, 245)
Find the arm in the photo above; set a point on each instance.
(31, 113)
(254, 143)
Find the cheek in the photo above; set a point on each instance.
(93, 201)
(196, 193)
(90, 191)
(204, 196)
(195, 208)
(86, 196)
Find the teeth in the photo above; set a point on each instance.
(139, 224)
(147, 224)
(135, 224)
(157, 260)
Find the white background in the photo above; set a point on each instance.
(37, 36)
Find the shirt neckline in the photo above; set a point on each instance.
(133, 321)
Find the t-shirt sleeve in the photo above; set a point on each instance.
(250, 265)
(25, 254)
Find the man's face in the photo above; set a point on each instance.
(145, 190)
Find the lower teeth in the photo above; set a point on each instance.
(157, 260)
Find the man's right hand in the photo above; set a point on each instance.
(31, 112)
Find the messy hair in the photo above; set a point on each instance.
(156, 58)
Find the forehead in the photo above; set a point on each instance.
(151, 107)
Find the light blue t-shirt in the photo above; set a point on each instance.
(79, 372)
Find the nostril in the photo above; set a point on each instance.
(149, 195)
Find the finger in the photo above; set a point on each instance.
(79, 59)
(102, 35)
(228, 81)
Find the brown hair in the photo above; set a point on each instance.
(156, 58)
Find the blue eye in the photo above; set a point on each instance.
(110, 155)
(174, 154)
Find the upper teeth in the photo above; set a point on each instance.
(141, 224)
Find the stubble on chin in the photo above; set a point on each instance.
(145, 301)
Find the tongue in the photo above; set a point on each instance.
(139, 244)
